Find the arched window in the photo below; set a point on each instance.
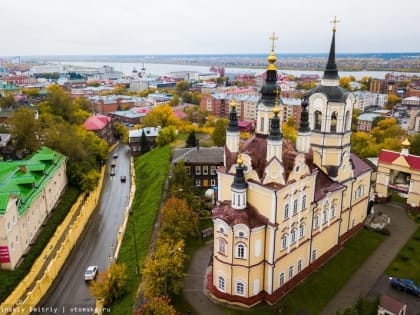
(348, 121)
(286, 211)
(301, 230)
(240, 251)
(281, 279)
(295, 206)
(299, 269)
(334, 122)
(221, 284)
(332, 211)
(222, 246)
(290, 272)
(293, 236)
(304, 202)
(324, 216)
(284, 241)
(240, 288)
(316, 221)
(318, 120)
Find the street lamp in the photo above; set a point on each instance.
(135, 245)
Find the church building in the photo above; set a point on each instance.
(285, 208)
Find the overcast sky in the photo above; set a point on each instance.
(86, 27)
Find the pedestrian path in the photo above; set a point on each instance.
(401, 228)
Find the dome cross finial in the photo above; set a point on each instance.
(273, 38)
(334, 23)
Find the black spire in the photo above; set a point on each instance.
(275, 132)
(331, 71)
(304, 115)
(239, 179)
(233, 118)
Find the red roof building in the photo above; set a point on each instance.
(102, 126)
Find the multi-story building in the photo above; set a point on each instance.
(365, 121)
(200, 164)
(364, 99)
(102, 126)
(134, 138)
(282, 209)
(29, 190)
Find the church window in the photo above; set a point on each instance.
(221, 283)
(284, 241)
(333, 122)
(281, 279)
(221, 230)
(314, 255)
(290, 272)
(348, 121)
(295, 206)
(286, 211)
(240, 251)
(293, 236)
(241, 234)
(262, 124)
(318, 120)
(324, 216)
(301, 230)
(240, 288)
(304, 202)
(222, 246)
(332, 211)
(316, 221)
(299, 266)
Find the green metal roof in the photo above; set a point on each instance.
(27, 178)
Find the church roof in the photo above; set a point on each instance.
(248, 216)
(97, 122)
(324, 185)
(333, 93)
(359, 166)
(388, 157)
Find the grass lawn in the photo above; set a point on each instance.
(322, 285)
(9, 279)
(151, 172)
(407, 263)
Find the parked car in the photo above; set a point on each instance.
(405, 285)
(91, 273)
(123, 179)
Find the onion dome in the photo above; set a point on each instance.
(239, 179)
(233, 118)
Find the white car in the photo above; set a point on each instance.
(91, 273)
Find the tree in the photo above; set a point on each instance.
(120, 132)
(165, 136)
(111, 284)
(7, 102)
(174, 101)
(219, 133)
(354, 118)
(25, 129)
(163, 271)
(415, 144)
(158, 305)
(289, 130)
(345, 82)
(392, 101)
(365, 81)
(161, 115)
(195, 98)
(186, 97)
(178, 220)
(182, 86)
(191, 140)
(387, 128)
(144, 144)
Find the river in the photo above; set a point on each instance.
(162, 69)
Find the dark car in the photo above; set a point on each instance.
(123, 179)
(405, 285)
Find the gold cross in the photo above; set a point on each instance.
(334, 22)
(273, 38)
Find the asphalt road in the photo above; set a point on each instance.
(69, 293)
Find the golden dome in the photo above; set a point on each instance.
(406, 143)
(276, 109)
(272, 57)
(233, 103)
(239, 161)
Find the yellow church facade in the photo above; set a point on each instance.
(282, 208)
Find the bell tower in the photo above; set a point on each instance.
(330, 113)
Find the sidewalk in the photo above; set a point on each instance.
(366, 276)
(195, 285)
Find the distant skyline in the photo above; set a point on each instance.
(132, 27)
